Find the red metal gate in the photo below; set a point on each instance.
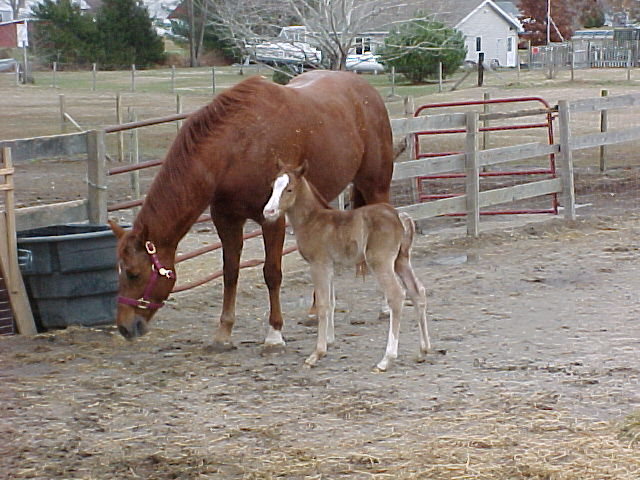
(547, 124)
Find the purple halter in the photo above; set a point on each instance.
(157, 270)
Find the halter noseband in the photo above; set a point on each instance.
(157, 270)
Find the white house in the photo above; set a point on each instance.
(489, 27)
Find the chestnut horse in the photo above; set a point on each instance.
(225, 157)
(375, 234)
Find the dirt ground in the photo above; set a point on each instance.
(534, 375)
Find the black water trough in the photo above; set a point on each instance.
(70, 274)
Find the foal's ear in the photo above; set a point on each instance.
(117, 230)
(302, 169)
(280, 164)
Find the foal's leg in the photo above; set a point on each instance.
(230, 233)
(394, 293)
(273, 236)
(331, 336)
(418, 296)
(322, 279)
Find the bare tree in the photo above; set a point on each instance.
(15, 6)
(332, 25)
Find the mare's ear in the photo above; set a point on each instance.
(117, 230)
(302, 169)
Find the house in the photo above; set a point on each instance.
(488, 26)
(13, 34)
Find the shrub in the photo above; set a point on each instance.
(416, 48)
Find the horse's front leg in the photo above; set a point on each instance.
(273, 236)
(230, 231)
(322, 281)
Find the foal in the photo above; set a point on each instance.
(375, 234)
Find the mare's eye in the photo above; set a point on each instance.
(132, 276)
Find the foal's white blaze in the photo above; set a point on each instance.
(271, 210)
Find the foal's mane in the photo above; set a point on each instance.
(178, 177)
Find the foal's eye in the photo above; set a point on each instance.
(289, 190)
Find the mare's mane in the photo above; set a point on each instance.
(202, 123)
(227, 108)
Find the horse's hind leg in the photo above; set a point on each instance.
(394, 294)
(417, 293)
(273, 236)
(230, 233)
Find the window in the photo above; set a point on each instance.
(510, 44)
(478, 44)
(363, 45)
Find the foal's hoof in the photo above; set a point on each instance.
(383, 365)
(220, 347)
(273, 348)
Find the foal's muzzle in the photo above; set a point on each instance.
(271, 214)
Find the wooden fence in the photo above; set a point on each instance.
(91, 145)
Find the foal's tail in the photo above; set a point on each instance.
(407, 238)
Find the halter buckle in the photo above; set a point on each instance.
(150, 247)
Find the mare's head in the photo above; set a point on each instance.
(284, 191)
(145, 278)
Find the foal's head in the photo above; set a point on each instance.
(285, 190)
(145, 278)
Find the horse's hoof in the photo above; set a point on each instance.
(220, 347)
(311, 361)
(310, 321)
(384, 315)
(382, 366)
(273, 348)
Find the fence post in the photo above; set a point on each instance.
(96, 177)
(604, 126)
(133, 77)
(480, 69)
(55, 74)
(440, 77)
(485, 123)
(472, 190)
(173, 79)
(119, 121)
(393, 81)
(566, 161)
(63, 111)
(573, 61)
(178, 110)
(8, 254)
(629, 65)
(93, 77)
(134, 158)
(213, 80)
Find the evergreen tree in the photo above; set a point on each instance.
(127, 34)
(63, 33)
(416, 48)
